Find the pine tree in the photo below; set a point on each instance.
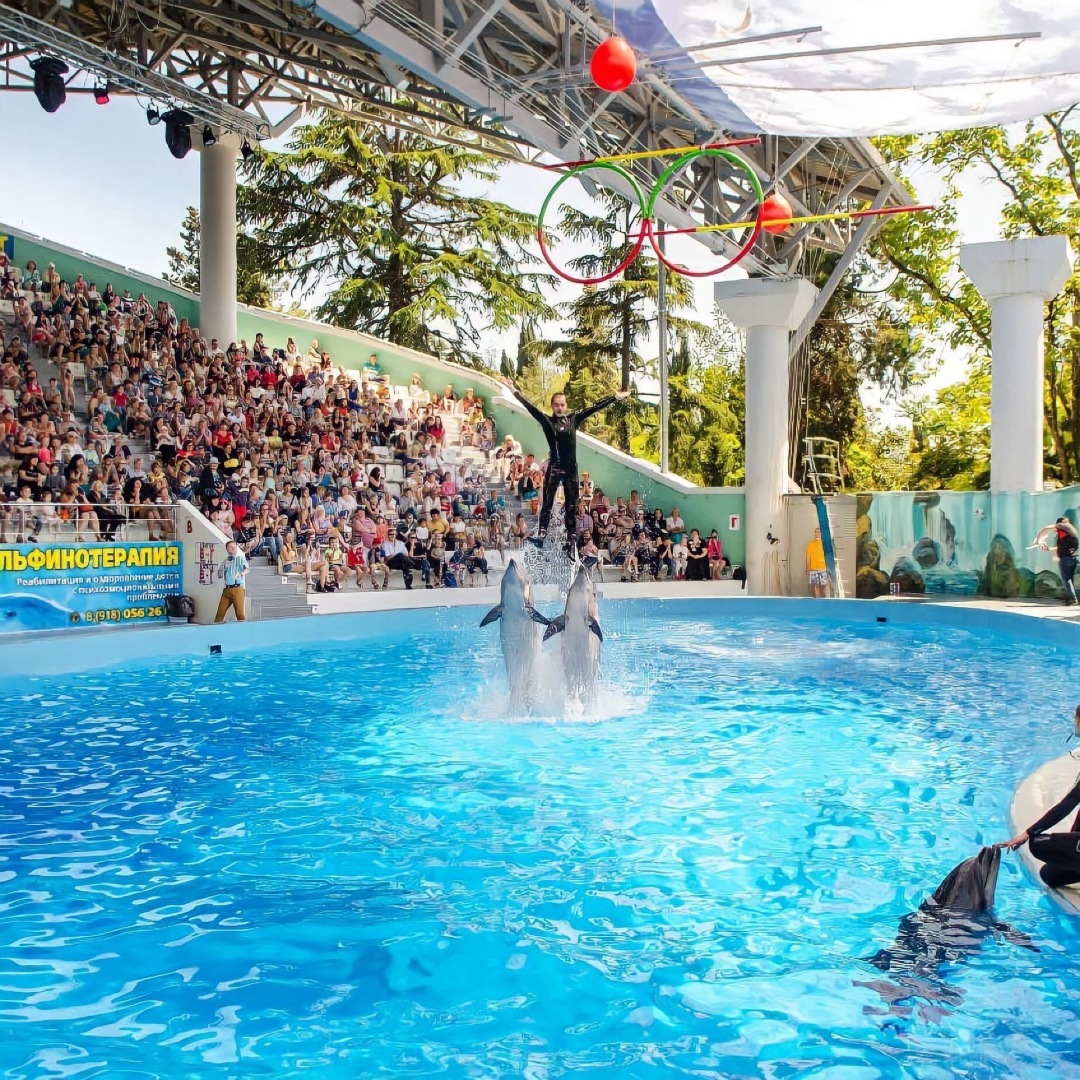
(608, 322)
(253, 286)
(377, 216)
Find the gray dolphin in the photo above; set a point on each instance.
(948, 926)
(582, 636)
(518, 631)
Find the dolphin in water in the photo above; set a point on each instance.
(519, 631)
(20, 613)
(948, 926)
(581, 639)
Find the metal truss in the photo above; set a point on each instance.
(505, 76)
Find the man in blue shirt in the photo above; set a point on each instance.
(235, 572)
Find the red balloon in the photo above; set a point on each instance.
(776, 214)
(613, 65)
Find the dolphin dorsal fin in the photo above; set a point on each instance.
(556, 626)
(594, 626)
(493, 615)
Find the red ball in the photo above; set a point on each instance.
(613, 65)
(776, 214)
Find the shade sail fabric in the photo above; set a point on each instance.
(907, 90)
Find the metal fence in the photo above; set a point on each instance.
(84, 522)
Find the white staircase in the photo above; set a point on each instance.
(271, 596)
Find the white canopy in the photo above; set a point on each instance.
(872, 69)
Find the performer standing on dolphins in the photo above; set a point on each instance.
(560, 429)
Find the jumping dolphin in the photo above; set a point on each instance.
(518, 631)
(581, 637)
(949, 925)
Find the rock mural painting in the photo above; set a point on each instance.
(961, 543)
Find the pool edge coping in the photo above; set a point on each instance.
(39, 653)
(1033, 796)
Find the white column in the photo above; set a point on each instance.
(1017, 277)
(768, 311)
(217, 254)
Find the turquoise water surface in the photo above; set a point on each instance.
(346, 859)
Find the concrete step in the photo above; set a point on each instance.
(272, 597)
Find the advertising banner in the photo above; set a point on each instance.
(64, 585)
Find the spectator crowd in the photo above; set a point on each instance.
(333, 475)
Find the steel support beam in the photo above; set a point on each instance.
(863, 233)
(462, 41)
(390, 41)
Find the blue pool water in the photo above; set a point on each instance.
(345, 859)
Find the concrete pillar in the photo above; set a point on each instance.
(1017, 277)
(768, 311)
(217, 254)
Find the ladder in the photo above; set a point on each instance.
(821, 466)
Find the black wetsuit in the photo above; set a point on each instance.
(561, 433)
(1067, 543)
(1058, 852)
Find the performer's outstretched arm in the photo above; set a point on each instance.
(540, 417)
(599, 406)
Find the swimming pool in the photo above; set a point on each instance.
(340, 856)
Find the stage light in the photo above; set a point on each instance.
(178, 132)
(49, 85)
(208, 138)
(246, 152)
(101, 94)
(153, 117)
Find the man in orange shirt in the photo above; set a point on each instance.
(817, 572)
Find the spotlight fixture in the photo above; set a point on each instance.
(245, 151)
(208, 138)
(178, 132)
(152, 115)
(49, 85)
(101, 93)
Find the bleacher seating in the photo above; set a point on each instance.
(135, 383)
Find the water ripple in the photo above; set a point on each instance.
(351, 861)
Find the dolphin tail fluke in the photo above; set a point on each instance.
(535, 615)
(594, 626)
(494, 615)
(556, 626)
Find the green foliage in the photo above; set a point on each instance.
(952, 437)
(254, 286)
(376, 214)
(1038, 170)
(706, 392)
(879, 459)
(860, 338)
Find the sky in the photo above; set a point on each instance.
(101, 180)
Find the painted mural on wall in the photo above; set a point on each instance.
(961, 543)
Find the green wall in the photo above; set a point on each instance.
(71, 263)
(701, 508)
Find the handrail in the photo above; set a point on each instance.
(37, 522)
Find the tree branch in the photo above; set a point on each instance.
(995, 168)
(1067, 156)
(938, 293)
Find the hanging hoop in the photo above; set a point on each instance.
(637, 245)
(665, 178)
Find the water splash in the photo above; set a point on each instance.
(549, 564)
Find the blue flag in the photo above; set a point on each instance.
(8, 243)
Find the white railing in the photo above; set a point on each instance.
(56, 522)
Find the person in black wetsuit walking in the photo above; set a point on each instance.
(1058, 852)
(561, 430)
